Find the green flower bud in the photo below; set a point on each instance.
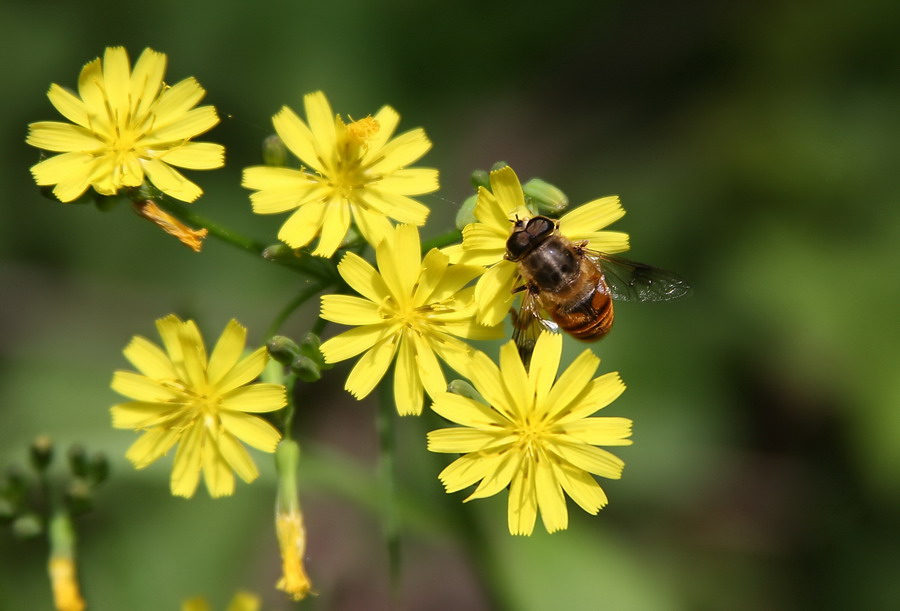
(310, 347)
(278, 252)
(41, 453)
(283, 349)
(464, 389)
(8, 510)
(466, 213)
(78, 462)
(27, 526)
(547, 198)
(306, 369)
(78, 497)
(274, 152)
(98, 469)
(480, 178)
(15, 485)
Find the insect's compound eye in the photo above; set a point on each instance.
(539, 226)
(517, 244)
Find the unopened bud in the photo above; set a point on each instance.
(27, 526)
(98, 469)
(481, 178)
(310, 346)
(274, 152)
(7, 510)
(41, 453)
(547, 198)
(78, 462)
(278, 252)
(466, 213)
(464, 389)
(306, 369)
(78, 497)
(283, 349)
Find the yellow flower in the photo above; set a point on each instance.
(66, 593)
(357, 173)
(412, 308)
(125, 125)
(535, 435)
(206, 403)
(484, 242)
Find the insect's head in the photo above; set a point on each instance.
(527, 234)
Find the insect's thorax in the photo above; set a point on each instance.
(552, 265)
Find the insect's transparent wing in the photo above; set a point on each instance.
(528, 324)
(632, 281)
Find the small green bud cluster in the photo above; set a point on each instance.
(304, 358)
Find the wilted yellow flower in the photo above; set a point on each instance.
(192, 238)
(289, 526)
(66, 593)
(412, 308)
(484, 242)
(357, 174)
(206, 403)
(125, 125)
(534, 435)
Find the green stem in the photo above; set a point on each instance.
(305, 295)
(446, 239)
(386, 463)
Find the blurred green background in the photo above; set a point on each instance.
(754, 148)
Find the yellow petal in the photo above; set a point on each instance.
(175, 101)
(427, 366)
(141, 388)
(453, 280)
(466, 470)
(506, 188)
(69, 105)
(227, 351)
(60, 168)
(401, 151)
(188, 461)
(72, 187)
(246, 370)
(515, 379)
(350, 343)
(255, 398)
(463, 440)
(252, 430)
(194, 353)
(298, 138)
(387, 119)
(135, 414)
(550, 498)
(321, 123)
(603, 391)
(217, 473)
(591, 216)
(370, 368)
(605, 241)
(190, 124)
(151, 445)
(487, 380)
(600, 431)
(468, 412)
(503, 469)
(522, 509)
(146, 81)
(349, 310)
(62, 137)
(334, 227)
(493, 293)
(238, 457)
(170, 181)
(573, 382)
(265, 177)
(399, 261)
(581, 486)
(91, 91)
(363, 278)
(116, 80)
(430, 274)
(373, 226)
(195, 155)
(149, 359)
(407, 383)
(544, 365)
(308, 193)
(303, 225)
(399, 207)
(589, 458)
(411, 181)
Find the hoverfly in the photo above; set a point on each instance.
(576, 286)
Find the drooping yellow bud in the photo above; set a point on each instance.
(192, 238)
(66, 594)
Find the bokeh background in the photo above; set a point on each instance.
(754, 146)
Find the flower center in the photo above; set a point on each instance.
(352, 143)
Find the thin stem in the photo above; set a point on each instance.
(305, 295)
(446, 239)
(386, 462)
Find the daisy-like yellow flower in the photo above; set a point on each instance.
(484, 242)
(357, 173)
(535, 435)
(410, 308)
(205, 403)
(125, 125)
